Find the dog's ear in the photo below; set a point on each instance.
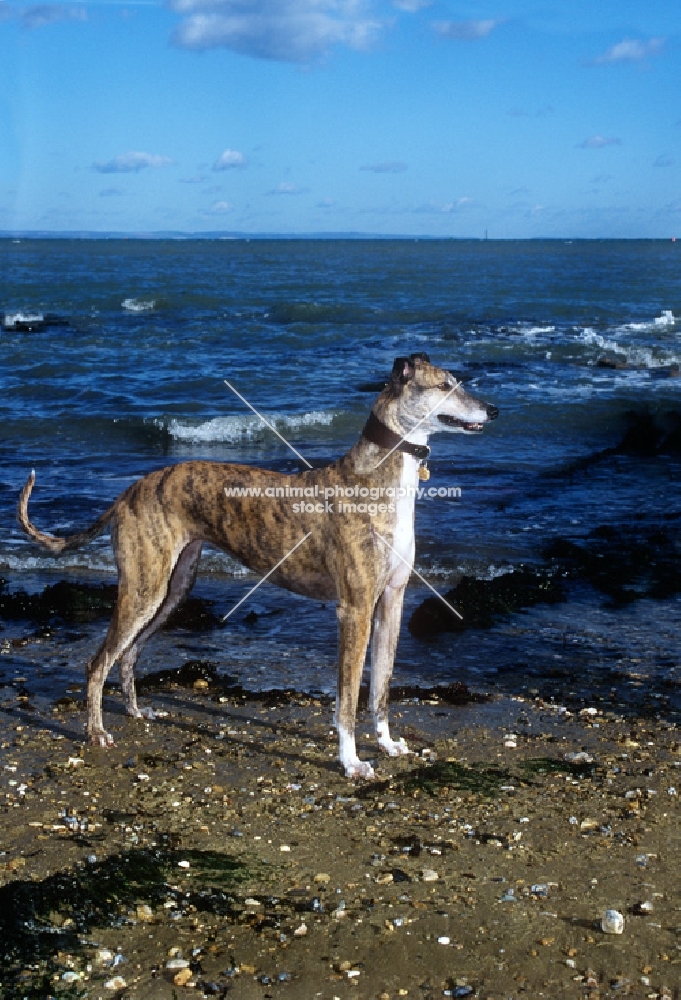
(403, 372)
(421, 356)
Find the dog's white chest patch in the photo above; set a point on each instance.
(403, 538)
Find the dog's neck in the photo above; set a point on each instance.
(380, 434)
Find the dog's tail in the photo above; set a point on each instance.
(52, 542)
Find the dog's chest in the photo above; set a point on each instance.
(403, 536)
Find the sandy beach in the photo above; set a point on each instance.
(220, 851)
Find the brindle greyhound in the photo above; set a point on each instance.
(160, 522)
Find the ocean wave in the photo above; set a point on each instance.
(83, 561)
(637, 356)
(529, 330)
(664, 321)
(138, 305)
(15, 320)
(234, 430)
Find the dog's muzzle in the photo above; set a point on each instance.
(468, 426)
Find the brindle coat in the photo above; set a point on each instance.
(160, 522)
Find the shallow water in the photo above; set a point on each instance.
(126, 373)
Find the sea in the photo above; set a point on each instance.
(115, 358)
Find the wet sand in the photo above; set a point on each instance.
(225, 837)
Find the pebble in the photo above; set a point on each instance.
(443, 940)
(182, 977)
(70, 977)
(643, 908)
(300, 931)
(177, 963)
(429, 875)
(117, 983)
(612, 922)
(145, 913)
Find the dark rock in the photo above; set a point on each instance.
(482, 601)
(622, 563)
(184, 676)
(86, 602)
(605, 362)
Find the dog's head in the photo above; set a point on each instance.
(420, 393)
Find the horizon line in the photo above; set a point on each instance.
(179, 234)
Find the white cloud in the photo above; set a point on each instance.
(465, 31)
(220, 208)
(286, 187)
(388, 167)
(40, 15)
(443, 208)
(630, 50)
(133, 162)
(598, 142)
(284, 30)
(230, 158)
(412, 6)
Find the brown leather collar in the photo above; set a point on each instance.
(377, 432)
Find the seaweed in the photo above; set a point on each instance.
(38, 918)
(475, 778)
(551, 765)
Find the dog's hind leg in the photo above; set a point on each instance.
(355, 629)
(387, 618)
(146, 561)
(181, 582)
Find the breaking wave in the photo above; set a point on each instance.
(138, 305)
(637, 356)
(234, 430)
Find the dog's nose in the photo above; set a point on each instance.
(492, 412)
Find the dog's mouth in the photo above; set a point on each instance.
(468, 427)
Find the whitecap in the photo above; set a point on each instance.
(139, 305)
(12, 320)
(98, 562)
(235, 430)
(662, 322)
(642, 357)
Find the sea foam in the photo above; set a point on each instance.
(138, 305)
(234, 430)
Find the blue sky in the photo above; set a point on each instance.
(409, 117)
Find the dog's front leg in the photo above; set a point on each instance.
(355, 629)
(387, 618)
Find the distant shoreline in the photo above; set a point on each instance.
(326, 236)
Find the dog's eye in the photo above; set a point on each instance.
(446, 386)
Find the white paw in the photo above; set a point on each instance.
(143, 713)
(102, 740)
(394, 748)
(358, 769)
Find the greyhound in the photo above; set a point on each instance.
(360, 554)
